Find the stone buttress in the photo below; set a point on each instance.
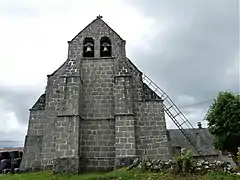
(96, 112)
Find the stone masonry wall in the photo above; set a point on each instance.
(61, 129)
(150, 124)
(33, 141)
(97, 75)
(97, 144)
(54, 97)
(32, 153)
(151, 134)
(97, 135)
(137, 83)
(82, 106)
(95, 115)
(67, 125)
(66, 137)
(124, 119)
(98, 102)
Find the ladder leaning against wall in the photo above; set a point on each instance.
(173, 112)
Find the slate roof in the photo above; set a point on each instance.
(11, 149)
(40, 103)
(177, 139)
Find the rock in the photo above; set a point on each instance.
(135, 164)
(202, 166)
(16, 170)
(5, 171)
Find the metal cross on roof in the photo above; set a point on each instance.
(99, 17)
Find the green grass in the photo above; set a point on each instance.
(118, 175)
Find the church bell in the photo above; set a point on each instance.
(89, 49)
(105, 48)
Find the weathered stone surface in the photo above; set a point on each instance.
(66, 165)
(124, 162)
(151, 135)
(96, 109)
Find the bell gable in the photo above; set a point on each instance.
(96, 40)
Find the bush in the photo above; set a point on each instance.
(184, 161)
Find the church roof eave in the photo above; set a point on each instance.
(49, 75)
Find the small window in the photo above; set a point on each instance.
(88, 47)
(105, 47)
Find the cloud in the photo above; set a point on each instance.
(17, 102)
(16, 9)
(14, 105)
(198, 54)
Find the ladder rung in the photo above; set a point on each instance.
(169, 107)
(183, 123)
(165, 98)
(162, 95)
(176, 114)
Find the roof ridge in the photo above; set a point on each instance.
(98, 18)
(188, 129)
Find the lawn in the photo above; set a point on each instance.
(118, 175)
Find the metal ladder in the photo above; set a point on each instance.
(173, 111)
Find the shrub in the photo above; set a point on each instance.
(184, 161)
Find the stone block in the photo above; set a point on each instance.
(66, 165)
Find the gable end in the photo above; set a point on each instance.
(100, 19)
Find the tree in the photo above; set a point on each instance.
(223, 119)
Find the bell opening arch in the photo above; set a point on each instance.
(88, 47)
(105, 47)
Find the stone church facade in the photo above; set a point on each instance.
(96, 112)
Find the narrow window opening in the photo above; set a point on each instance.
(105, 47)
(88, 47)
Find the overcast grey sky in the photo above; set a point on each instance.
(190, 48)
